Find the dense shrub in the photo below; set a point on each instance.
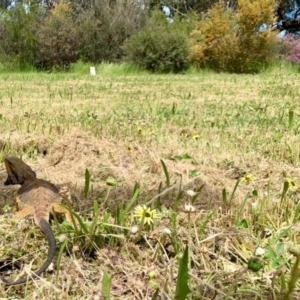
(234, 41)
(105, 27)
(284, 47)
(161, 46)
(57, 39)
(17, 33)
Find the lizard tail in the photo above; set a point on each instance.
(46, 228)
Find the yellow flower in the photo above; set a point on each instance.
(152, 274)
(247, 178)
(292, 184)
(129, 147)
(196, 137)
(145, 214)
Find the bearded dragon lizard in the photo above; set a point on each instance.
(38, 197)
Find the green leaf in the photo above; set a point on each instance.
(279, 249)
(285, 189)
(269, 253)
(255, 264)
(158, 200)
(182, 288)
(194, 173)
(7, 208)
(224, 196)
(106, 284)
(297, 213)
(186, 156)
(254, 193)
(177, 157)
(174, 108)
(95, 208)
(111, 181)
(198, 191)
(94, 221)
(81, 222)
(132, 201)
(244, 223)
(177, 200)
(203, 225)
(87, 183)
(234, 190)
(120, 215)
(166, 173)
(154, 284)
(61, 250)
(181, 157)
(291, 118)
(239, 221)
(155, 295)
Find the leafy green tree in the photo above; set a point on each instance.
(105, 27)
(182, 7)
(161, 46)
(57, 39)
(17, 31)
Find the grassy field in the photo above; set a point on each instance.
(214, 157)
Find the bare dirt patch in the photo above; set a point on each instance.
(65, 161)
(77, 151)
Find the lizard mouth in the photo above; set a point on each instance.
(10, 181)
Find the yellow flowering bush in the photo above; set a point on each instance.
(235, 40)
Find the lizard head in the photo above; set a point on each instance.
(17, 171)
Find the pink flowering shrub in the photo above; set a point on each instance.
(292, 49)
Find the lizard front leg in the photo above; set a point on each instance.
(26, 211)
(57, 208)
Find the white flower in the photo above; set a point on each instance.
(167, 231)
(134, 229)
(51, 267)
(254, 205)
(189, 208)
(62, 237)
(191, 193)
(260, 251)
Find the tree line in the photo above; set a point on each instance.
(47, 34)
